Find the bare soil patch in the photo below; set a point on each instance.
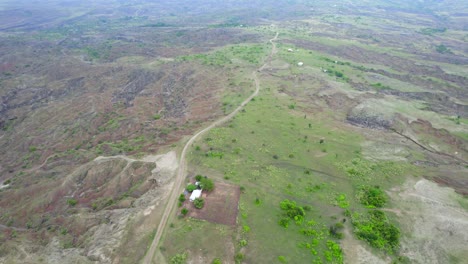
(221, 205)
(433, 222)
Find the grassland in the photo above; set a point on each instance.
(274, 152)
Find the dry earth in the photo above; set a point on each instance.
(117, 228)
(434, 223)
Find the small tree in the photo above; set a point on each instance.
(182, 198)
(198, 177)
(199, 203)
(191, 187)
(207, 184)
(184, 211)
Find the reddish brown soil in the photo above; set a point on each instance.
(459, 185)
(221, 205)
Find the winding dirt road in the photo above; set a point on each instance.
(183, 164)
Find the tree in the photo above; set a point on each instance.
(198, 177)
(184, 211)
(191, 187)
(199, 203)
(207, 184)
(182, 198)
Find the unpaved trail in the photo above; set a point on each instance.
(183, 165)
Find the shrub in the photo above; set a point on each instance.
(184, 211)
(179, 258)
(182, 198)
(282, 259)
(199, 203)
(207, 184)
(442, 49)
(239, 257)
(377, 230)
(198, 177)
(191, 187)
(284, 222)
(72, 202)
(243, 243)
(372, 196)
(216, 261)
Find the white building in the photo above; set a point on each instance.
(195, 194)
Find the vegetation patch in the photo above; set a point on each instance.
(377, 230)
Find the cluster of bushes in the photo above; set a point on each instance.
(372, 196)
(376, 229)
(291, 212)
(205, 183)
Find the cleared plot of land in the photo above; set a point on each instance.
(221, 205)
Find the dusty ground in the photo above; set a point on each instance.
(221, 205)
(116, 228)
(434, 223)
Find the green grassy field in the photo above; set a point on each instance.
(276, 152)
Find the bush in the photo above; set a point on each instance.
(198, 177)
(72, 202)
(207, 184)
(179, 259)
(216, 261)
(377, 230)
(372, 196)
(199, 203)
(239, 257)
(282, 259)
(184, 211)
(243, 243)
(191, 187)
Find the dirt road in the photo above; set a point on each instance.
(183, 164)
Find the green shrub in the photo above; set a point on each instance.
(182, 198)
(216, 261)
(72, 202)
(372, 196)
(184, 211)
(239, 257)
(207, 184)
(198, 177)
(191, 187)
(243, 243)
(376, 229)
(199, 203)
(179, 258)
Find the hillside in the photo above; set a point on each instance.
(351, 145)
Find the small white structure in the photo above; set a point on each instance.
(195, 194)
(290, 50)
(300, 63)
